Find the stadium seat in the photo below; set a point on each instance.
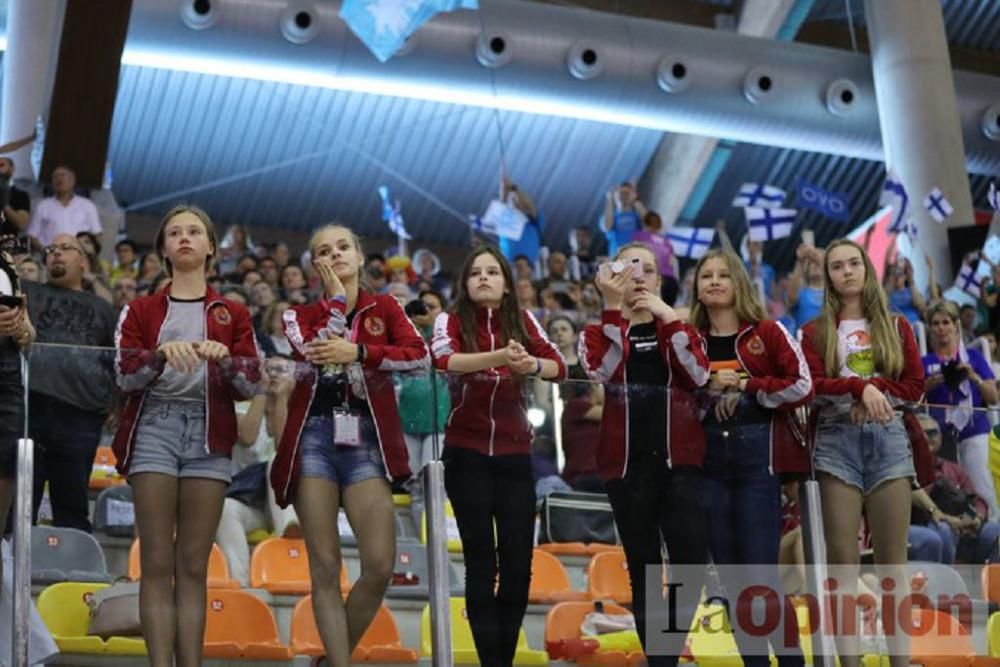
(549, 581)
(66, 554)
(411, 577)
(281, 567)
(939, 640)
(577, 548)
(608, 579)
(114, 512)
(562, 624)
(711, 638)
(451, 529)
(218, 571)
(239, 625)
(259, 535)
(989, 581)
(103, 474)
(463, 647)
(63, 608)
(401, 499)
(380, 643)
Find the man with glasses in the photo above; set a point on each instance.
(64, 213)
(948, 517)
(70, 383)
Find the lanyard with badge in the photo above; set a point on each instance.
(346, 422)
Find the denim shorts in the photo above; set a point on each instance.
(170, 439)
(340, 464)
(863, 456)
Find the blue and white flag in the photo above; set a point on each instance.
(391, 214)
(968, 281)
(834, 205)
(759, 195)
(768, 224)
(502, 220)
(994, 197)
(894, 195)
(939, 207)
(384, 25)
(691, 242)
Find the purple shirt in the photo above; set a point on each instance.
(942, 395)
(661, 247)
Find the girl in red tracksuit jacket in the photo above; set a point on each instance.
(759, 376)
(343, 440)
(865, 364)
(652, 443)
(178, 428)
(487, 443)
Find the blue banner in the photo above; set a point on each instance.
(834, 205)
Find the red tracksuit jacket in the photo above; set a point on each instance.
(391, 343)
(603, 352)
(137, 366)
(489, 413)
(780, 381)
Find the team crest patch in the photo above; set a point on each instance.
(756, 345)
(222, 316)
(375, 326)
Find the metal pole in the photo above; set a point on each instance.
(824, 650)
(437, 562)
(22, 535)
(557, 413)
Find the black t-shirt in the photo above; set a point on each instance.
(334, 387)
(19, 201)
(722, 356)
(647, 391)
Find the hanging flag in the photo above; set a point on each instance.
(501, 220)
(968, 282)
(994, 197)
(759, 195)
(939, 207)
(894, 195)
(834, 205)
(391, 214)
(692, 242)
(768, 224)
(384, 25)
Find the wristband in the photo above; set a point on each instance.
(538, 366)
(361, 353)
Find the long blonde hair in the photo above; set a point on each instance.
(746, 299)
(887, 349)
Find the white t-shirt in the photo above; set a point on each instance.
(261, 450)
(50, 219)
(854, 349)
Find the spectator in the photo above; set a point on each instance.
(991, 339)
(293, 284)
(524, 269)
(967, 315)
(262, 295)
(527, 297)
(589, 307)
(272, 332)
(65, 213)
(952, 509)
(623, 216)
(961, 377)
(251, 278)
(557, 268)
(989, 304)
(563, 333)
(235, 244)
(581, 244)
(70, 388)
(805, 285)
(269, 271)
(234, 294)
(530, 242)
(17, 210)
(581, 430)
(125, 260)
(281, 255)
(428, 267)
(904, 296)
(124, 291)
(250, 504)
(149, 268)
(375, 273)
(434, 302)
(652, 236)
(95, 277)
(28, 269)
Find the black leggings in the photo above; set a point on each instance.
(484, 489)
(653, 501)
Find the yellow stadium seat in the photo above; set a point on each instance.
(258, 536)
(401, 499)
(463, 647)
(63, 608)
(218, 570)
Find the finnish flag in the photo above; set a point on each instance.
(968, 281)
(392, 214)
(691, 242)
(768, 224)
(939, 207)
(384, 25)
(759, 195)
(894, 195)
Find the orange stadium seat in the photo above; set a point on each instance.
(218, 571)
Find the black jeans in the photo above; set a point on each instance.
(654, 503)
(11, 410)
(66, 439)
(484, 489)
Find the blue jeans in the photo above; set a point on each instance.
(929, 544)
(742, 501)
(940, 543)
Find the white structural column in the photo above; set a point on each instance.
(33, 31)
(680, 159)
(918, 115)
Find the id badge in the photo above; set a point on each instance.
(346, 429)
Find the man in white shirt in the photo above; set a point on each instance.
(65, 213)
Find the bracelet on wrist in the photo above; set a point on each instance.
(361, 353)
(538, 366)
